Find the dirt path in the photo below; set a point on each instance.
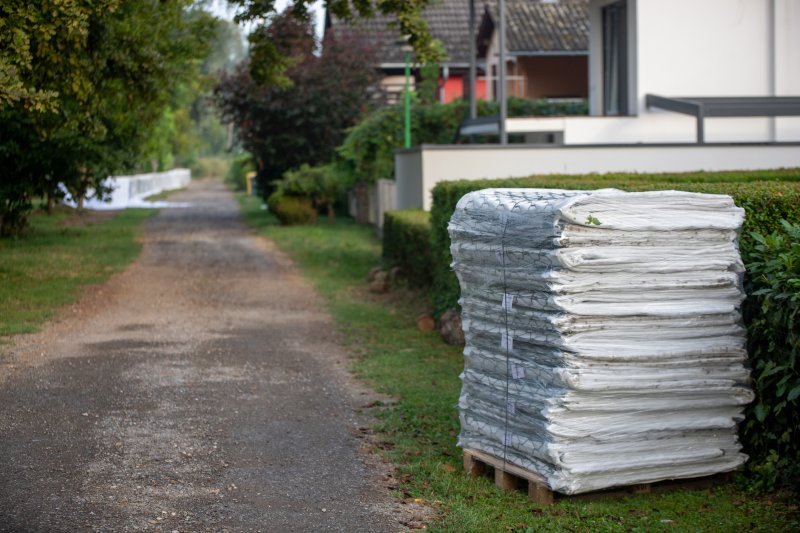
(200, 390)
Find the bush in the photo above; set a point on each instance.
(210, 166)
(767, 197)
(406, 244)
(292, 210)
(771, 433)
(369, 146)
(321, 184)
(238, 169)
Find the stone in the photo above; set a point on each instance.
(372, 273)
(378, 286)
(395, 273)
(426, 323)
(450, 328)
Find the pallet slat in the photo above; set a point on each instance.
(510, 477)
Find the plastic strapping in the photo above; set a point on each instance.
(507, 340)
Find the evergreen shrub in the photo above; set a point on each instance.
(406, 244)
(770, 247)
(767, 197)
(771, 432)
(292, 210)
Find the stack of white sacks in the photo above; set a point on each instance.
(604, 338)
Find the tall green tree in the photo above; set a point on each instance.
(83, 84)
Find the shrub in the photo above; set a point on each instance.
(369, 146)
(210, 166)
(771, 433)
(292, 210)
(406, 244)
(238, 169)
(321, 184)
(767, 197)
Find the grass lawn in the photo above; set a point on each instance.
(45, 268)
(418, 433)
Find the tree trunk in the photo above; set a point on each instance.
(362, 202)
(331, 213)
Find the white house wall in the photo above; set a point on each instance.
(787, 58)
(698, 48)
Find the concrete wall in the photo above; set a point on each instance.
(419, 169)
(130, 191)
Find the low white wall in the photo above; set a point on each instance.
(419, 169)
(130, 191)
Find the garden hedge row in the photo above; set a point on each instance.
(767, 197)
(771, 431)
(772, 309)
(406, 244)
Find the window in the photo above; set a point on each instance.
(615, 59)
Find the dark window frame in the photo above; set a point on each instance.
(616, 72)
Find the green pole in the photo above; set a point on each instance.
(407, 110)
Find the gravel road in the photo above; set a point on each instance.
(200, 390)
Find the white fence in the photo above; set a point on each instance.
(130, 191)
(381, 198)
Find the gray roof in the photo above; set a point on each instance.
(535, 26)
(448, 21)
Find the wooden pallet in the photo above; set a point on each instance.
(512, 477)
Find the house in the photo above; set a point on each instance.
(674, 86)
(641, 51)
(448, 21)
(547, 45)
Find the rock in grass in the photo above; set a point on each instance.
(450, 328)
(426, 323)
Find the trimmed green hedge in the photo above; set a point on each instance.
(771, 311)
(767, 197)
(406, 244)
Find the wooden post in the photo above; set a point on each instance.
(504, 480)
(472, 467)
(540, 494)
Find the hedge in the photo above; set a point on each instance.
(406, 244)
(767, 197)
(770, 249)
(771, 432)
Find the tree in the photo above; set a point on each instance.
(82, 86)
(287, 125)
(268, 63)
